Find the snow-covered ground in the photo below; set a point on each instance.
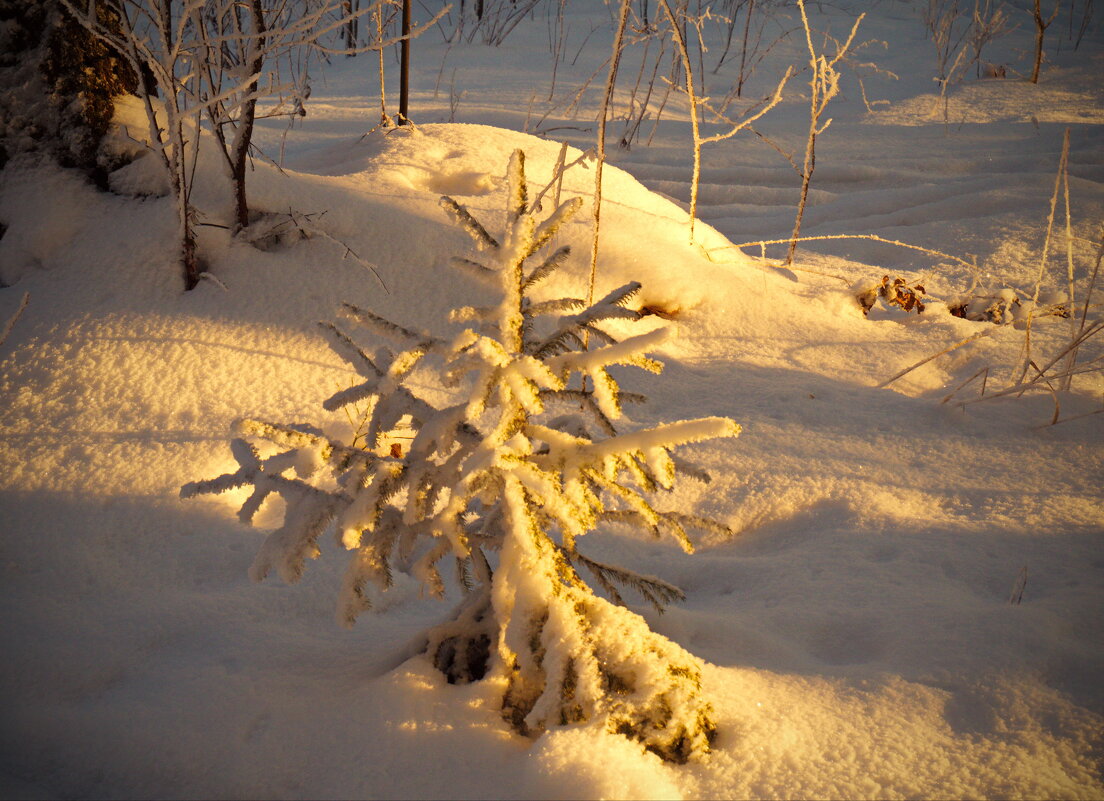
(858, 630)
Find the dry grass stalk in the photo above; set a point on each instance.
(1069, 256)
(1063, 175)
(1071, 419)
(1043, 374)
(927, 359)
(984, 371)
(556, 180)
(1085, 307)
(634, 119)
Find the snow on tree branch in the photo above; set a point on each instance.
(505, 477)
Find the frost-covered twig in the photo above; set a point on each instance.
(922, 362)
(697, 102)
(1025, 354)
(558, 174)
(1043, 373)
(824, 85)
(305, 225)
(871, 237)
(1085, 307)
(1041, 24)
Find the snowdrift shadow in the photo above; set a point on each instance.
(141, 658)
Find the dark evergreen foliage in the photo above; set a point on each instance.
(57, 84)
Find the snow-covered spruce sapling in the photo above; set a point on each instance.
(506, 480)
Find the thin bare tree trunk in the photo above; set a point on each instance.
(351, 27)
(384, 119)
(178, 167)
(611, 80)
(823, 86)
(743, 50)
(806, 179)
(240, 151)
(684, 54)
(1040, 31)
(404, 66)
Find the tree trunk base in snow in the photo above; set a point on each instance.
(190, 263)
(638, 683)
(582, 659)
(461, 648)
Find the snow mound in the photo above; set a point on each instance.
(860, 632)
(1004, 101)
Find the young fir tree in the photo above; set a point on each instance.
(513, 474)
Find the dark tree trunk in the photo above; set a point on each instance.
(743, 50)
(404, 66)
(241, 203)
(351, 27)
(188, 258)
(1040, 31)
(244, 135)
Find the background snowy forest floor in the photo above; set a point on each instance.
(858, 630)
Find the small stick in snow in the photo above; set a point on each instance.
(18, 313)
(961, 386)
(1018, 588)
(1070, 419)
(214, 279)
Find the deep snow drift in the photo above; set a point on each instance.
(858, 630)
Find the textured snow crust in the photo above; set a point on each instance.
(857, 631)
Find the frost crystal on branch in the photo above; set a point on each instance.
(505, 479)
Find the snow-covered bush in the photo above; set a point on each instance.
(506, 479)
(1005, 306)
(57, 84)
